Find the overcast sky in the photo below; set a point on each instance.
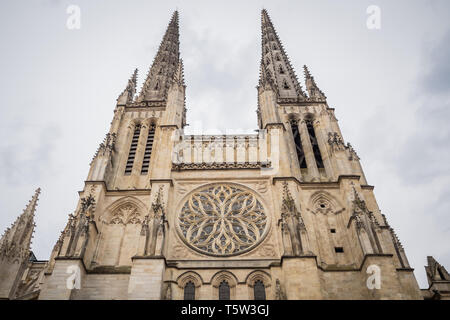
(390, 89)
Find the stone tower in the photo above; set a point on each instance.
(285, 213)
(15, 249)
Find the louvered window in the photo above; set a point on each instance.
(298, 144)
(148, 150)
(314, 143)
(133, 148)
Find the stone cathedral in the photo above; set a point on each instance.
(285, 213)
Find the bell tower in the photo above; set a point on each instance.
(119, 225)
(328, 211)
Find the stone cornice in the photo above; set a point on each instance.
(132, 191)
(162, 181)
(293, 103)
(73, 259)
(218, 166)
(110, 270)
(147, 104)
(169, 126)
(222, 264)
(329, 184)
(275, 124)
(111, 191)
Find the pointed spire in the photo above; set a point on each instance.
(165, 65)
(435, 271)
(16, 240)
(127, 95)
(313, 90)
(276, 70)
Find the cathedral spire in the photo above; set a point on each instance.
(16, 240)
(164, 67)
(276, 70)
(127, 95)
(313, 90)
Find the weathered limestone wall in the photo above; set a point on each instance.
(55, 285)
(103, 287)
(146, 279)
(8, 277)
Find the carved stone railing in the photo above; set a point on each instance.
(206, 152)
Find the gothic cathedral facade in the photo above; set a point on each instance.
(285, 213)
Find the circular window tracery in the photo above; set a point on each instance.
(322, 205)
(222, 220)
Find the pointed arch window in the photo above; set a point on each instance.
(224, 291)
(148, 149)
(259, 291)
(274, 47)
(133, 148)
(314, 143)
(285, 85)
(280, 69)
(157, 85)
(277, 57)
(189, 291)
(298, 144)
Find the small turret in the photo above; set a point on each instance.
(314, 92)
(15, 248)
(127, 96)
(438, 280)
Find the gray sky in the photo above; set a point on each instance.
(390, 88)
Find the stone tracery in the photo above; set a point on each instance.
(126, 214)
(222, 220)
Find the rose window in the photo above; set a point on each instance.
(222, 220)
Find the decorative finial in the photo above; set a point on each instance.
(314, 92)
